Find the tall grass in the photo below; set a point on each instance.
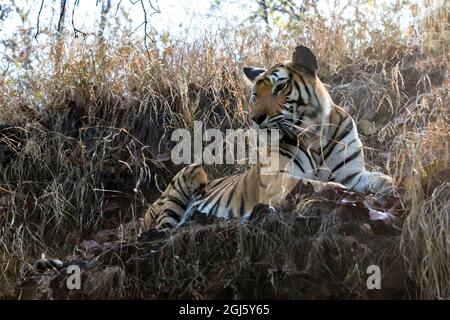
(95, 120)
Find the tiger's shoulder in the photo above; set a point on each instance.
(338, 114)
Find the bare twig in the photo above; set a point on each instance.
(117, 8)
(135, 29)
(38, 18)
(62, 15)
(145, 26)
(75, 30)
(155, 9)
(105, 9)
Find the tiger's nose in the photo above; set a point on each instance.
(259, 119)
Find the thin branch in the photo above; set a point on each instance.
(62, 15)
(157, 10)
(145, 26)
(145, 23)
(75, 30)
(135, 29)
(38, 18)
(117, 8)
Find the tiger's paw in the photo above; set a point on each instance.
(381, 185)
(320, 186)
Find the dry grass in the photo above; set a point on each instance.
(95, 123)
(307, 252)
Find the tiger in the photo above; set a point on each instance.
(189, 183)
(321, 136)
(228, 197)
(319, 145)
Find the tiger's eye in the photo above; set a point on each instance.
(279, 88)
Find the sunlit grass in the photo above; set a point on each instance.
(95, 118)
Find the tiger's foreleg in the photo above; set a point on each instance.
(343, 161)
(373, 182)
(275, 188)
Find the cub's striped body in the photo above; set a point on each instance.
(319, 144)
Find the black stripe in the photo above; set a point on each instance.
(347, 160)
(332, 139)
(242, 208)
(211, 196)
(296, 161)
(347, 129)
(335, 140)
(231, 194)
(276, 117)
(216, 182)
(349, 178)
(317, 99)
(300, 100)
(213, 209)
(177, 202)
(276, 91)
(345, 147)
(166, 225)
(287, 151)
(181, 190)
(306, 87)
(307, 155)
(172, 214)
(243, 193)
(300, 118)
(289, 93)
(360, 177)
(221, 191)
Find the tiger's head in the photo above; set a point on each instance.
(289, 96)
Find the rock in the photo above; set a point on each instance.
(41, 265)
(366, 127)
(56, 263)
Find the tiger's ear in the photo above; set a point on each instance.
(304, 58)
(251, 73)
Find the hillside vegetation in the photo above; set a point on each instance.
(85, 139)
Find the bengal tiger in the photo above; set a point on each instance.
(228, 197)
(319, 144)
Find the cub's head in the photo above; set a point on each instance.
(289, 96)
